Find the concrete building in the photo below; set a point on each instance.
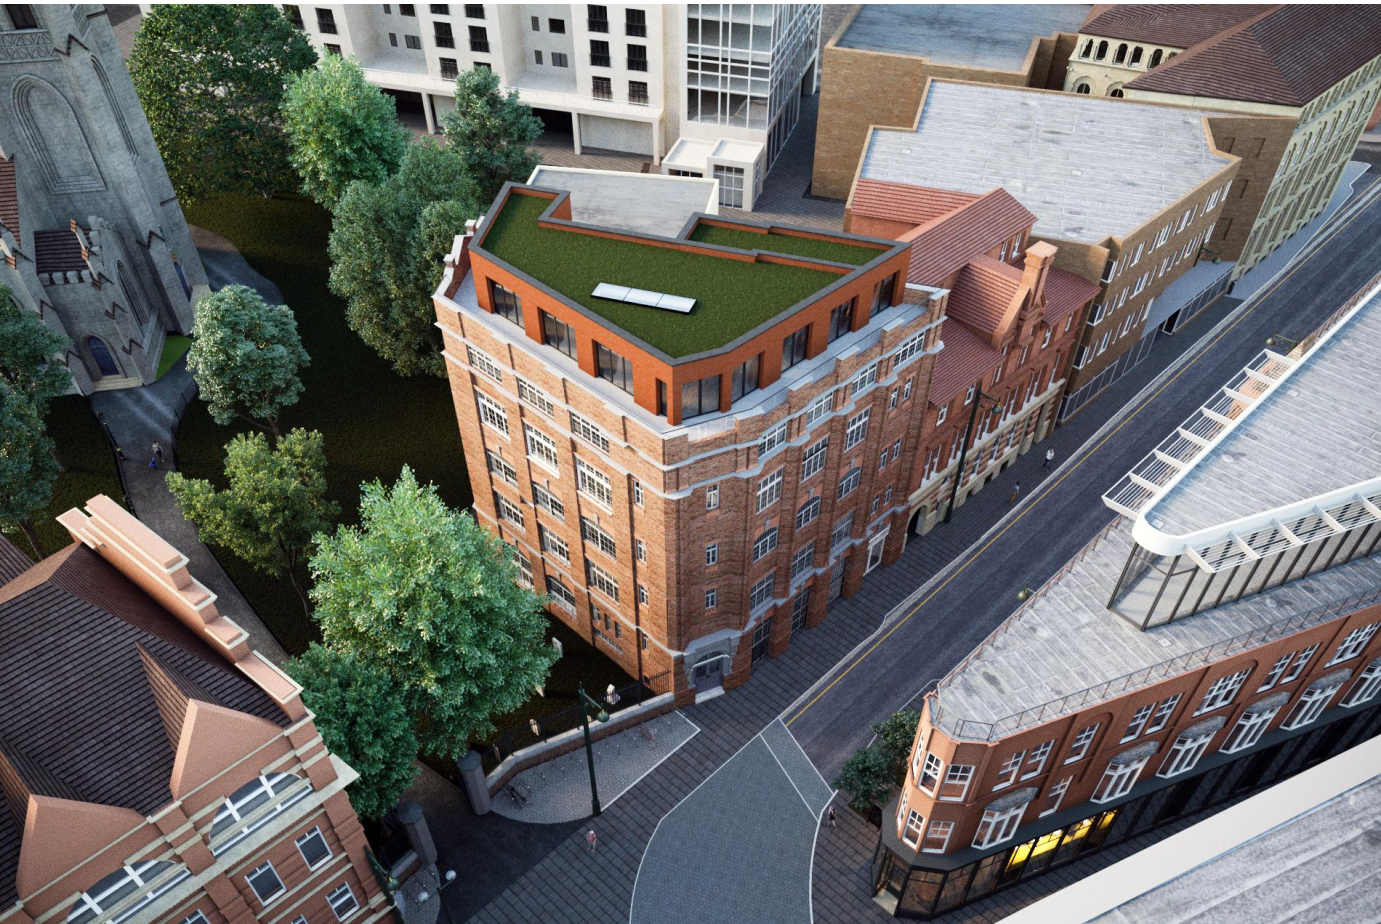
(875, 66)
(708, 90)
(91, 236)
(1065, 157)
(1219, 635)
(155, 768)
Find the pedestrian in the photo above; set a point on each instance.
(832, 822)
(158, 450)
(591, 840)
(1016, 492)
(1049, 457)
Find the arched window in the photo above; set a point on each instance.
(55, 137)
(105, 362)
(1121, 56)
(1136, 56)
(1088, 49)
(131, 881)
(1102, 51)
(118, 112)
(129, 288)
(1115, 91)
(1155, 57)
(1083, 88)
(254, 805)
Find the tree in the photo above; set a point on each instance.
(866, 777)
(273, 507)
(384, 253)
(895, 735)
(27, 351)
(245, 356)
(421, 591)
(364, 720)
(211, 78)
(342, 128)
(493, 131)
(27, 468)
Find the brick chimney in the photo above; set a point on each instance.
(1040, 256)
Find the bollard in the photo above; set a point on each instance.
(413, 820)
(471, 770)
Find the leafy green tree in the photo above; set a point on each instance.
(27, 351)
(273, 507)
(364, 720)
(384, 247)
(867, 777)
(27, 468)
(493, 131)
(211, 78)
(245, 356)
(342, 128)
(895, 734)
(423, 592)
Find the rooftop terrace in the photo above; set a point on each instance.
(981, 35)
(733, 297)
(1063, 155)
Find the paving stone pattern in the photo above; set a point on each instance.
(559, 790)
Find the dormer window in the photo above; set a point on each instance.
(132, 888)
(254, 805)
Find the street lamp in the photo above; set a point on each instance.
(1025, 594)
(1274, 338)
(586, 704)
(978, 398)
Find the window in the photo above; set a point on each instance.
(1255, 718)
(772, 439)
(248, 808)
(601, 581)
(711, 598)
(730, 185)
(1186, 751)
(325, 21)
(129, 881)
(1312, 702)
(442, 35)
(843, 530)
(492, 413)
(998, 825)
(762, 593)
(1164, 712)
(449, 69)
(906, 392)
(560, 594)
(597, 18)
(1121, 773)
(802, 561)
(857, 430)
(508, 510)
(537, 56)
(599, 57)
(1301, 660)
(930, 773)
(330, 50)
(547, 501)
(955, 788)
(849, 483)
(553, 544)
(292, 11)
(1367, 685)
(556, 26)
(937, 837)
(800, 609)
(484, 363)
(558, 334)
(637, 92)
(818, 408)
(506, 304)
(474, 10)
(915, 824)
(313, 848)
(841, 320)
(1036, 762)
(637, 493)
(479, 38)
(637, 57)
(265, 883)
(712, 554)
(769, 490)
(1353, 644)
(407, 9)
(744, 379)
(597, 537)
(808, 512)
(712, 497)
(1056, 796)
(342, 901)
(1138, 721)
(700, 397)
(635, 23)
(864, 379)
(499, 467)
(559, 59)
(1080, 745)
(1222, 691)
(589, 432)
(594, 483)
(764, 543)
(1007, 773)
(909, 350)
(528, 394)
(794, 348)
(1276, 670)
(813, 459)
(541, 448)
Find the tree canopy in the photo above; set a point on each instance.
(384, 249)
(28, 469)
(342, 128)
(895, 735)
(211, 78)
(364, 720)
(493, 131)
(28, 351)
(274, 504)
(866, 776)
(245, 356)
(423, 592)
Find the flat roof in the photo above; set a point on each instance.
(1065, 156)
(646, 203)
(733, 297)
(981, 35)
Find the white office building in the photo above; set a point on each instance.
(708, 90)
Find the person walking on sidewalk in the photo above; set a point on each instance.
(1016, 492)
(158, 450)
(1049, 458)
(833, 824)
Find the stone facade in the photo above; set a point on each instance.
(91, 235)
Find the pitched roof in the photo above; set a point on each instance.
(917, 205)
(13, 562)
(982, 293)
(965, 359)
(1066, 292)
(9, 197)
(939, 249)
(1178, 25)
(1287, 56)
(58, 251)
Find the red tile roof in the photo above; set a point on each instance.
(982, 293)
(965, 359)
(1065, 292)
(9, 198)
(939, 249)
(1178, 25)
(1288, 56)
(58, 251)
(917, 205)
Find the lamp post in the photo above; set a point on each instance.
(978, 398)
(1272, 340)
(586, 704)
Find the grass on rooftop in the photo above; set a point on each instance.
(777, 242)
(732, 297)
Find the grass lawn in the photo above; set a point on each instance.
(174, 348)
(732, 297)
(776, 242)
(83, 446)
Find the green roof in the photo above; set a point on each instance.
(732, 297)
(778, 242)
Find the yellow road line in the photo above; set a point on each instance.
(1259, 299)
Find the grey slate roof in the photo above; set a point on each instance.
(1063, 155)
(978, 35)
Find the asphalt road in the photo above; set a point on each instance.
(1066, 511)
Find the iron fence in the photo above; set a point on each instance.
(118, 456)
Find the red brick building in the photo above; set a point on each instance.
(152, 764)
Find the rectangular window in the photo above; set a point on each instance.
(614, 368)
(802, 561)
(941, 414)
(794, 348)
(559, 59)
(558, 334)
(313, 848)
(1007, 773)
(492, 413)
(635, 23)
(808, 512)
(484, 363)
(955, 788)
(1248, 729)
(712, 497)
(506, 303)
(1036, 762)
(1222, 691)
(937, 837)
(547, 501)
(841, 320)
(597, 18)
(700, 397)
(1367, 685)
(541, 448)
(292, 11)
(594, 483)
(1276, 670)
(772, 439)
(442, 35)
(598, 538)
(843, 531)
(813, 459)
(637, 93)
(712, 554)
(744, 379)
(393, 39)
(601, 581)
(800, 609)
(849, 483)
(479, 39)
(1056, 796)
(326, 21)
(915, 824)
(1138, 721)
(1353, 644)
(508, 510)
(637, 57)
(407, 9)
(474, 10)
(265, 883)
(556, 26)
(603, 88)
(857, 430)
(1164, 712)
(499, 468)
(764, 543)
(1118, 779)
(536, 24)
(769, 490)
(528, 394)
(997, 826)
(589, 432)
(560, 594)
(637, 493)
(449, 69)
(1080, 745)
(762, 593)
(909, 350)
(1301, 661)
(865, 379)
(931, 769)
(1184, 754)
(711, 598)
(818, 408)
(553, 544)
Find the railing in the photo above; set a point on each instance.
(118, 455)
